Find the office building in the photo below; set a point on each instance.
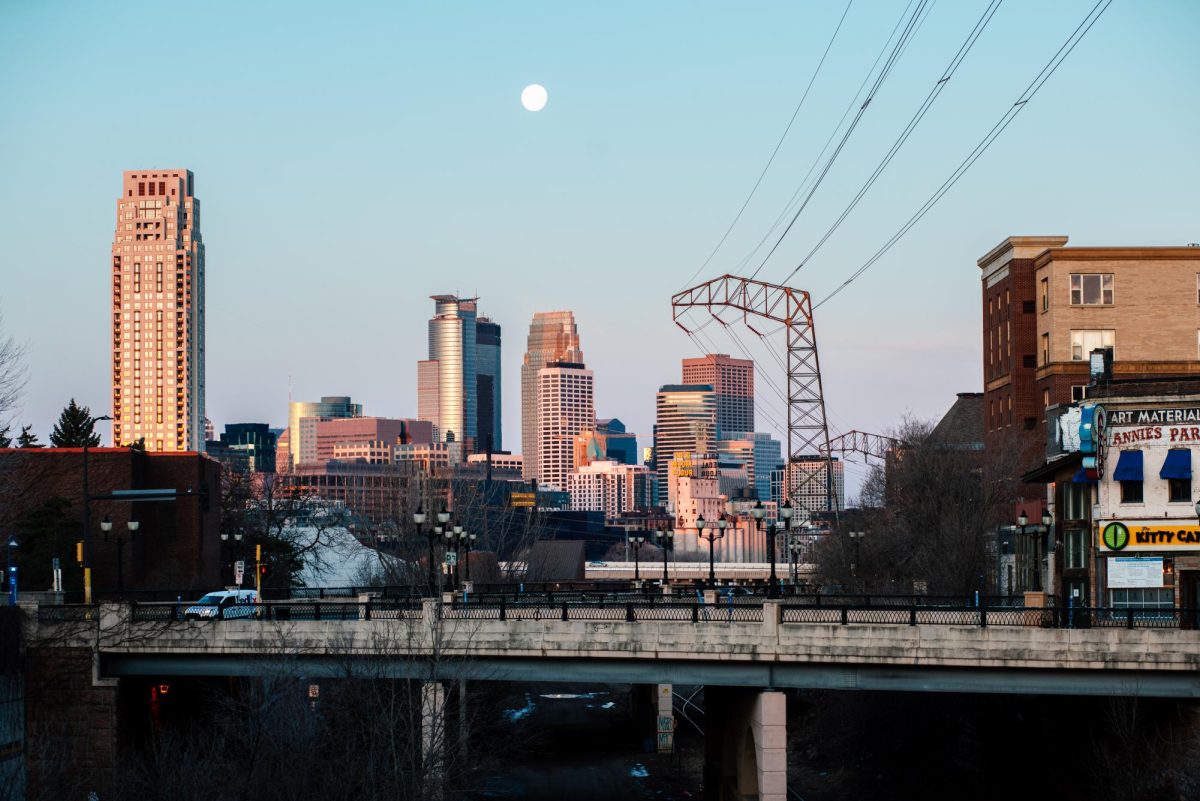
(685, 421)
(248, 445)
(157, 311)
(760, 453)
(609, 487)
(501, 461)
(1047, 306)
(329, 407)
(320, 437)
(732, 381)
(566, 407)
(553, 337)
(430, 457)
(447, 382)
(487, 385)
(815, 484)
(619, 445)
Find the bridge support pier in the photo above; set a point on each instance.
(433, 738)
(653, 713)
(745, 745)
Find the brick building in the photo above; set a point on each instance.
(177, 545)
(1046, 306)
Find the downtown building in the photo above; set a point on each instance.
(565, 408)
(157, 312)
(685, 422)
(732, 382)
(458, 386)
(815, 485)
(553, 338)
(610, 487)
(759, 453)
(295, 447)
(1046, 307)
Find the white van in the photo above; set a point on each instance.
(224, 604)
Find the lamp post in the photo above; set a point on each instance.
(87, 519)
(636, 542)
(443, 517)
(666, 541)
(716, 530)
(794, 549)
(1035, 533)
(468, 541)
(419, 521)
(106, 526)
(758, 512)
(856, 539)
(233, 550)
(10, 573)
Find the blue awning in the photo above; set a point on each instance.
(1177, 465)
(1080, 477)
(1129, 466)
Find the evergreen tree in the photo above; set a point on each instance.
(28, 439)
(5, 439)
(75, 428)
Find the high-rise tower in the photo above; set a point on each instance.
(566, 407)
(487, 384)
(553, 337)
(446, 382)
(685, 422)
(733, 382)
(158, 313)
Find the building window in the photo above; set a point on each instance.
(1078, 392)
(1092, 289)
(1045, 294)
(1148, 598)
(1076, 498)
(1045, 348)
(1084, 342)
(1073, 542)
(1180, 490)
(1131, 492)
(1045, 399)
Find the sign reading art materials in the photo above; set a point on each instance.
(1119, 536)
(1127, 572)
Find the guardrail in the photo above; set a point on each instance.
(635, 609)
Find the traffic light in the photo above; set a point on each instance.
(264, 569)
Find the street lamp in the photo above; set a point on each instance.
(716, 530)
(1035, 533)
(10, 573)
(233, 548)
(666, 540)
(758, 512)
(87, 518)
(419, 520)
(106, 526)
(856, 538)
(636, 542)
(468, 540)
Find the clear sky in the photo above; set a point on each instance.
(354, 158)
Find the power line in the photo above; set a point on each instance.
(879, 80)
(778, 145)
(1005, 120)
(930, 99)
(804, 181)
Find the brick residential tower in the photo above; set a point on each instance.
(158, 313)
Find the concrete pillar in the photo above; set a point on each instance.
(433, 738)
(768, 724)
(745, 745)
(665, 719)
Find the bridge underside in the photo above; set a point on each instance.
(897, 678)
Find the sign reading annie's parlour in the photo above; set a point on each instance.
(1146, 417)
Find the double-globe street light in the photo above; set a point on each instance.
(636, 542)
(716, 531)
(106, 526)
(10, 573)
(459, 539)
(1036, 534)
(758, 512)
(666, 540)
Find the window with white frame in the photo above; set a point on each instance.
(1074, 541)
(1083, 342)
(1091, 289)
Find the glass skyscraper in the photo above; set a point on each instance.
(553, 337)
(487, 384)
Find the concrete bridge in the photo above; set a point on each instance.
(744, 654)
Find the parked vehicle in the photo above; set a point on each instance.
(224, 604)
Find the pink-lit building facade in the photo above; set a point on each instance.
(732, 381)
(370, 439)
(157, 274)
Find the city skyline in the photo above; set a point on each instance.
(563, 177)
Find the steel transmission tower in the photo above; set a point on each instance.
(808, 433)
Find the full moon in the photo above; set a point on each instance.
(533, 97)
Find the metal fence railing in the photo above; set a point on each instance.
(1057, 617)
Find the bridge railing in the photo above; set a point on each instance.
(1039, 617)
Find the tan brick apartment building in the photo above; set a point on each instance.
(1047, 306)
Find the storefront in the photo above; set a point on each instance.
(1146, 535)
